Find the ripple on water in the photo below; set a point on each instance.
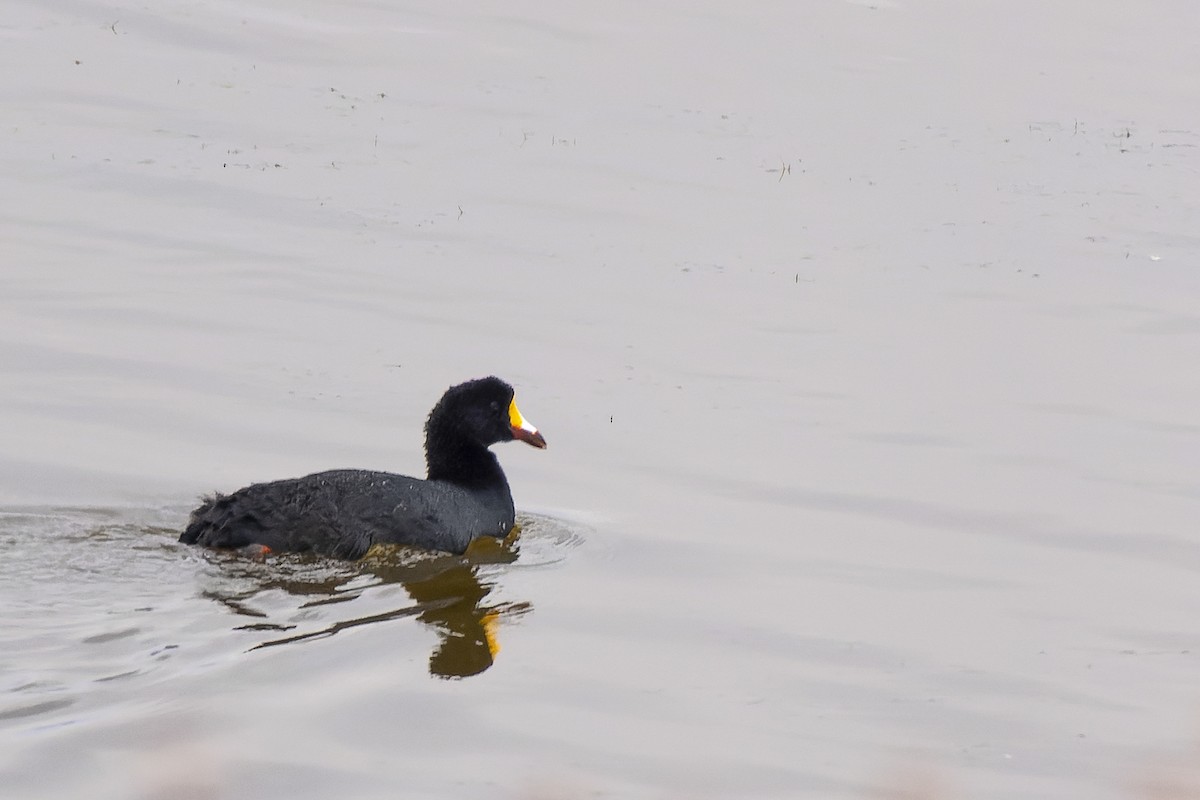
(290, 599)
(547, 540)
(100, 600)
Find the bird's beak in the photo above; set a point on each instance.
(521, 429)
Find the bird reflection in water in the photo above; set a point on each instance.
(447, 592)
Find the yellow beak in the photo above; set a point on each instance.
(521, 429)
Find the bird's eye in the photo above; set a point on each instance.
(495, 406)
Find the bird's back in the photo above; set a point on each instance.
(343, 512)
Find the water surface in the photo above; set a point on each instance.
(863, 335)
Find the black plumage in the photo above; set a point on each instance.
(343, 512)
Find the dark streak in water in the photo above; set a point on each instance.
(35, 709)
(337, 627)
(100, 638)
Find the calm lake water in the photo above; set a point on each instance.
(864, 337)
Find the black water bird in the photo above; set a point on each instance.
(343, 512)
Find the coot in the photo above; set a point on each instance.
(343, 512)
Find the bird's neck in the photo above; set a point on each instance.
(464, 463)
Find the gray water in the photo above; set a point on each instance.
(863, 336)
